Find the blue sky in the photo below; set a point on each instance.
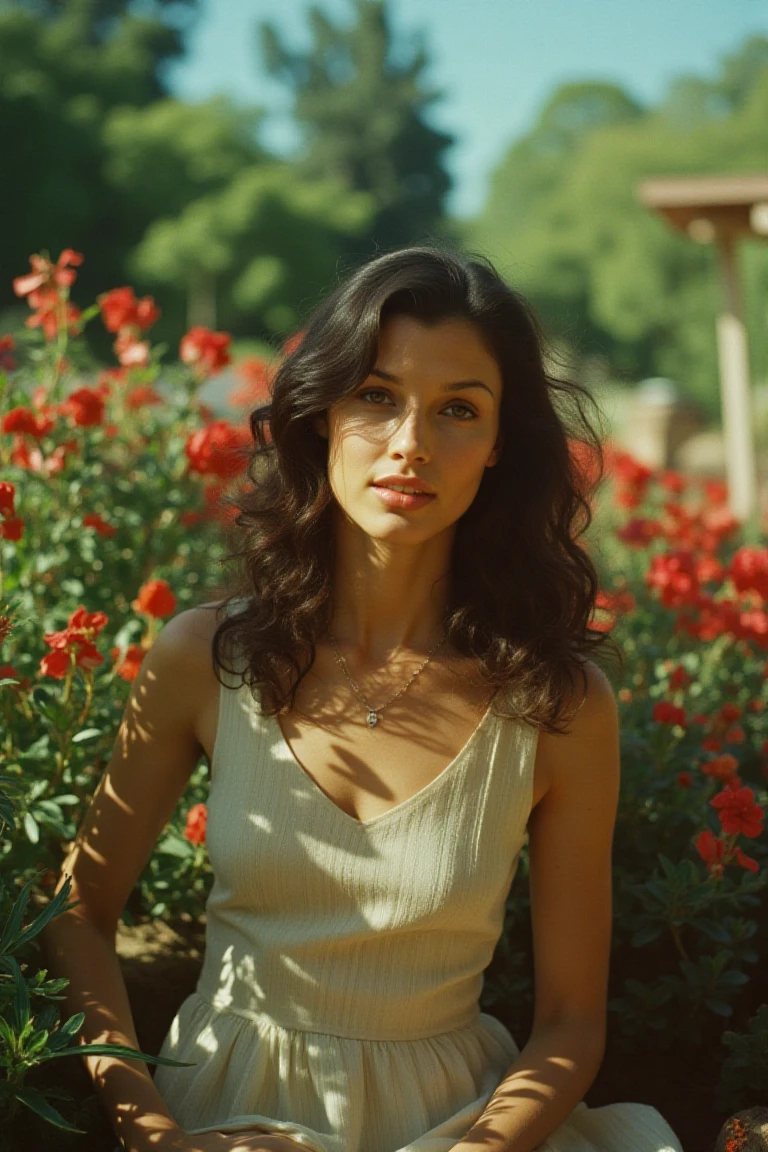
(495, 60)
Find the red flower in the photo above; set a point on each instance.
(131, 353)
(674, 575)
(205, 350)
(12, 528)
(131, 663)
(45, 274)
(666, 713)
(7, 362)
(89, 622)
(7, 498)
(730, 712)
(56, 664)
(85, 406)
(715, 491)
(216, 449)
(738, 812)
(684, 779)
(711, 848)
(93, 520)
(197, 820)
(141, 396)
(721, 767)
(8, 672)
(749, 570)
(120, 309)
(672, 481)
(711, 744)
(746, 861)
(44, 290)
(77, 637)
(639, 531)
(88, 655)
(22, 421)
(679, 678)
(155, 599)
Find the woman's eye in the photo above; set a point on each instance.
(380, 392)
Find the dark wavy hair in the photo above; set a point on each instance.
(522, 587)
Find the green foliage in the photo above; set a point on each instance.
(172, 196)
(361, 101)
(745, 1070)
(564, 223)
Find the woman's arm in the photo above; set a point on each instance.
(570, 847)
(154, 755)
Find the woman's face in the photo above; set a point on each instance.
(430, 411)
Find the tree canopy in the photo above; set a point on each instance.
(361, 100)
(607, 275)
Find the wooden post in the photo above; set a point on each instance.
(733, 354)
(201, 300)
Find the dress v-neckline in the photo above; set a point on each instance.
(396, 808)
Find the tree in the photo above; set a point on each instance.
(360, 98)
(609, 277)
(63, 68)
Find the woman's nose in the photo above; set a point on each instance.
(411, 437)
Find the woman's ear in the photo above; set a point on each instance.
(321, 425)
(496, 453)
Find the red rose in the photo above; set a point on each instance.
(197, 819)
(21, 420)
(666, 713)
(55, 664)
(7, 498)
(216, 449)
(129, 668)
(93, 520)
(85, 406)
(11, 528)
(155, 599)
(738, 812)
(205, 350)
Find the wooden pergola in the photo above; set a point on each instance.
(721, 210)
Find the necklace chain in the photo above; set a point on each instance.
(373, 713)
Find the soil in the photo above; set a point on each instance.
(161, 963)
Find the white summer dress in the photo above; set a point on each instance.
(338, 999)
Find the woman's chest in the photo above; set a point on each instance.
(366, 772)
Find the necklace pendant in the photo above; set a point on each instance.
(372, 719)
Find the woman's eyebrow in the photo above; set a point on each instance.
(455, 387)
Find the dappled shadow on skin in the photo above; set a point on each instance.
(273, 866)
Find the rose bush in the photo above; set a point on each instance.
(114, 516)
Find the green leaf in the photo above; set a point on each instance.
(36, 1101)
(733, 979)
(31, 827)
(86, 734)
(719, 1007)
(118, 1050)
(16, 916)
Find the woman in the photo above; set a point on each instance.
(397, 697)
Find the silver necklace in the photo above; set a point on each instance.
(373, 713)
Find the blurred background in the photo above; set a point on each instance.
(230, 158)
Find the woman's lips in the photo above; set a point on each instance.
(404, 500)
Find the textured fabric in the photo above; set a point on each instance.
(338, 1000)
